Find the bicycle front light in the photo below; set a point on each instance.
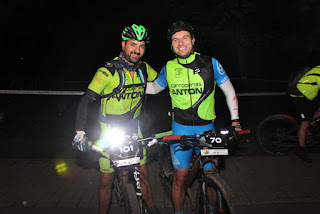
(114, 137)
(224, 131)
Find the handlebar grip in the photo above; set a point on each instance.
(172, 137)
(246, 131)
(160, 135)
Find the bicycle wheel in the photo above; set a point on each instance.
(225, 202)
(201, 201)
(117, 188)
(130, 199)
(277, 134)
(166, 176)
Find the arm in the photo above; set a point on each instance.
(81, 117)
(226, 86)
(232, 101)
(82, 111)
(159, 84)
(153, 88)
(100, 81)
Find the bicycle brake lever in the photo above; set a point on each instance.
(152, 142)
(206, 144)
(202, 142)
(183, 148)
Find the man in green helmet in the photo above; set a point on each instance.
(121, 85)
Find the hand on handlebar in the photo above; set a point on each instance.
(79, 141)
(236, 125)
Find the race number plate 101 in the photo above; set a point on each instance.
(210, 152)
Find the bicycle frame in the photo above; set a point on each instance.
(311, 139)
(122, 178)
(211, 146)
(278, 134)
(197, 164)
(125, 159)
(130, 170)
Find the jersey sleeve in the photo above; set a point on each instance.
(152, 74)
(220, 75)
(162, 79)
(101, 80)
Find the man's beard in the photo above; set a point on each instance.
(182, 56)
(128, 58)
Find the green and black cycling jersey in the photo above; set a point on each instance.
(191, 83)
(309, 84)
(116, 105)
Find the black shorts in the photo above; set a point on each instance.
(304, 108)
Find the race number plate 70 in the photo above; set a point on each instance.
(210, 152)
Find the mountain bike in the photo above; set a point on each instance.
(278, 134)
(125, 151)
(212, 147)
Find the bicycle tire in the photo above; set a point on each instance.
(166, 177)
(228, 205)
(117, 188)
(131, 201)
(277, 134)
(200, 204)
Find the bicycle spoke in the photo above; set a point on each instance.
(277, 135)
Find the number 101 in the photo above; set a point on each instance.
(126, 149)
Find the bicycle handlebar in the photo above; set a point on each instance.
(179, 137)
(166, 136)
(150, 139)
(246, 131)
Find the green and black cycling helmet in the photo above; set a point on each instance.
(179, 26)
(136, 32)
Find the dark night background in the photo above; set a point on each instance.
(45, 41)
(58, 45)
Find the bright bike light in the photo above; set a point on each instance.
(114, 137)
(224, 132)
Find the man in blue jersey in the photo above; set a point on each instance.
(191, 79)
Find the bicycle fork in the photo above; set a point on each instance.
(136, 176)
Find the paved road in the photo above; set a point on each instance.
(261, 184)
(37, 140)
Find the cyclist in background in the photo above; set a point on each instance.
(191, 78)
(121, 86)
(306, 105)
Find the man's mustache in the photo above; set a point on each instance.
(135, 53)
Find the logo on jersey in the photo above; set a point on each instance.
(225, 79)
(197, 70)
(129, 93)
(220, 68)
(178, 72)
(98, 79)
(127, 96)
(186, 91)
(186, 88)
